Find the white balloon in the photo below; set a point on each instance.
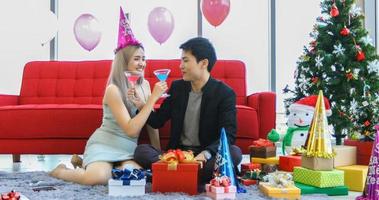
(47, 23)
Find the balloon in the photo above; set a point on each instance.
(161, 24)
(215, 11)
(87, 31)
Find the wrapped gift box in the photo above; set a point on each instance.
(248, 182)
(363, 150)
(221, 192)
(320, 179)
(271, 160)
(291, 192)
(287, 163)
(317, 163)
(262, 152)
(331, 191)
(126, 188)
(249, 166)
(355, 176)
(181, 179)
(345, 155)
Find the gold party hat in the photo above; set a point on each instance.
(319, 143)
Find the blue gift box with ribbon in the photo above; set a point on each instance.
(127, 182)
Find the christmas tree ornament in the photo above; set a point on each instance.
(360, 56)
(367, 123)
(345, 31)
(314, 80)
(334, 11)
(319, 61)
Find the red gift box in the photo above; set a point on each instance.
(287, 163)
(364, 149)
(248, 182)
(249, 166)
(181, 179)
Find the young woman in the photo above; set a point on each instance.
(113, 144)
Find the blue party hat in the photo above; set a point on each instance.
(224, 164)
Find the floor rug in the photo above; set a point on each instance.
(25, 182)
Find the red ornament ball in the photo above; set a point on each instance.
(334, 11)
(345, 31)
(360, 56)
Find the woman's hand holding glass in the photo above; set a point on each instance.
(134, 97)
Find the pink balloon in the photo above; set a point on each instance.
(86, 31)
(215, 11)
(161, 24)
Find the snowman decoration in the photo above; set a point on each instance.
(299, 120)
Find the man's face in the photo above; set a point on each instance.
(190, 68)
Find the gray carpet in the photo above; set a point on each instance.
(26, 181)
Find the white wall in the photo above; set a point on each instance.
(295, 20)
(19, 40)
(107, 13)
(244, 36)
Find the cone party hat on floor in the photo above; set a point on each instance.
(371, 190)
(224, 165)
(319, 143)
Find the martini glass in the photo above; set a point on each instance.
(133, 77)
(162, 75)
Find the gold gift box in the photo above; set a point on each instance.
(355, 176)
(291, 192)
(270, 160)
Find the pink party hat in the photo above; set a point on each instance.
(125, 34)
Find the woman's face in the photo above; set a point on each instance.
(137, 61)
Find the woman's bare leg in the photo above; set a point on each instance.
(96, 173)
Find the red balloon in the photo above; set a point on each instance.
(215, 11)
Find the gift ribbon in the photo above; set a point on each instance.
(252, 174)
(280, 180)
(262, 143)
(221, 181)
(127, 175)
(174, 157)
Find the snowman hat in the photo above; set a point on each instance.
(309, 104)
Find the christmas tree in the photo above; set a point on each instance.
(342, 62)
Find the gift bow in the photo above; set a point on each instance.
(221, 181)
(127, 175)
(173, 157)
(262, 143)
(280, 180)
(252, 174)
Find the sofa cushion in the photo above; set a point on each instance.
(247, 123)
(49, 121)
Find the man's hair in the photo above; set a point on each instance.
(202, 49)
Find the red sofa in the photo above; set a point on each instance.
(59, 106)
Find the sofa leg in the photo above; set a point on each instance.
(16, 158)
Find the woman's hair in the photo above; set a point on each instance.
(119, 66)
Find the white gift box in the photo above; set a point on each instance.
(217, 193)
(135, 188)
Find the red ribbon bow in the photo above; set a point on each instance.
(263, 143)
(222, 181)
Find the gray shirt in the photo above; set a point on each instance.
(190, 134)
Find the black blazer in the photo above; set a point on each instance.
(218, 109)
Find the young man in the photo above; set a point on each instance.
(198, 107)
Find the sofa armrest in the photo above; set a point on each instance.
(8, 100)
(264, 103)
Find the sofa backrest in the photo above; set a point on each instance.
(232, 72)
(64, 82)
(83, 82)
